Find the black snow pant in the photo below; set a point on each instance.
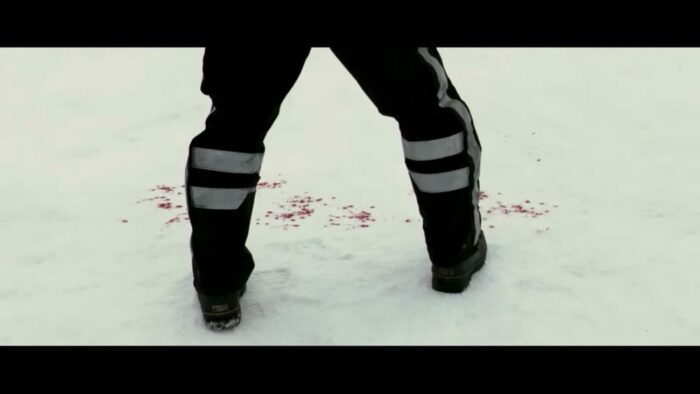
(247, 87)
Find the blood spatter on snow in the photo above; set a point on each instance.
(525, 209)
(152, 199)
(164, 188)
(177, 219)
(271, 184)
(163, 201)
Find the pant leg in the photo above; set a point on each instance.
(441, 147)
(247, 87)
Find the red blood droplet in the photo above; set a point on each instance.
(173, 220)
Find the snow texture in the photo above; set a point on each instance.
(590, 203)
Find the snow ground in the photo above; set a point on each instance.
(589, 170)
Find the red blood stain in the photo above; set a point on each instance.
(516, 209)
(483, 196)
(363, 216)
(364, 225)
(163, 188)
(271, 185)
(173, 220)
(165, 205)
(152, 199)
(178, 206)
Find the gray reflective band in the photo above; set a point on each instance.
(211, 198)
(434, 149)
(226, 161)
(441, 182)
(473, 149)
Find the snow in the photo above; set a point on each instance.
(589, 169)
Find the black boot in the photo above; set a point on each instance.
(221, 312)
(454, 279)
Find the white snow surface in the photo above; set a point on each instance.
(590, 171)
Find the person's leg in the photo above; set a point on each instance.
(247, 87)
(441, 147)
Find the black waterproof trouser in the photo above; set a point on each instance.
(247, 86)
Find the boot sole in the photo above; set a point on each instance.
(224, 320)
(458, 283)
(455, 284)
